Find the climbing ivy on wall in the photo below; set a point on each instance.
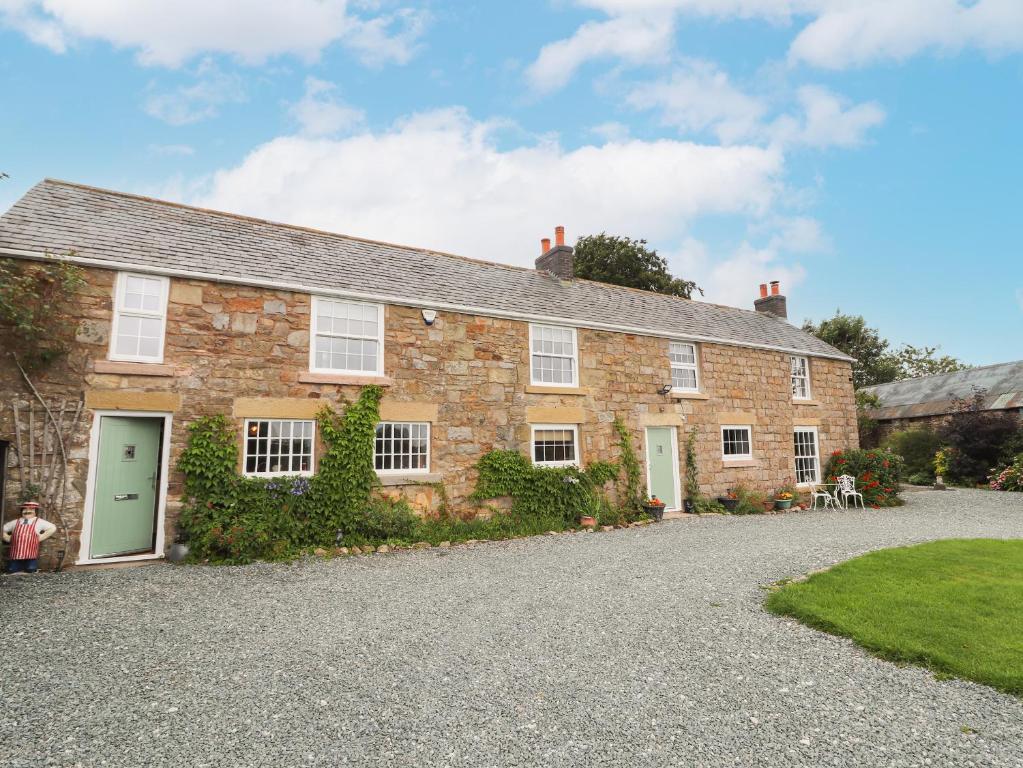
(568, 492)
(631, 488)
(346, 477)
(231, 518)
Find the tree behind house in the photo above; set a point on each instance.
(623, 261)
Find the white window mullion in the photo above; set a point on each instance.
(346, 337)
(555, 445)
(736, 442)
(553, 356)
(402, 447)
(806, 450)
(685, 373)
(800, 378)
(140, 318)
(268, 452)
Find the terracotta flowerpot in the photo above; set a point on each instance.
(769, 505)
(588, 521)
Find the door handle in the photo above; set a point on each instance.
(125, 496)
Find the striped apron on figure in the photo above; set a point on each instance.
(25, 540)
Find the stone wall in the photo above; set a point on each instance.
(245, 352)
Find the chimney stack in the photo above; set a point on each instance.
(774, 304)
(559, 260)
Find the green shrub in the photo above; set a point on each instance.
(917, 448)
(977, 437)
(704, 505)
(877, 472)
(749, 502)
(385, 520)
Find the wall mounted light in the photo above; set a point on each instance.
(429, 315)
(664, 390)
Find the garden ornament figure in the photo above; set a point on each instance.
(24, 536)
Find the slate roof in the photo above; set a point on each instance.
(933, 395)
(139, 233)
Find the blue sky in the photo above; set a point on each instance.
(866, 154)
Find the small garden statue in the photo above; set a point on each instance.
(24, 536)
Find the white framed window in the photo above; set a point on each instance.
(736, 442)
(553, 358)
(278, 447)
(346, 337)
(140, 318)
(402, 446)
(555, 445)
(807, 453)
(685, 374)
(800, 378)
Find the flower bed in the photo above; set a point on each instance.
(877, 472)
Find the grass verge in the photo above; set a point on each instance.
(954, 606)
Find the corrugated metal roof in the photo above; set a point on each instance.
(931, 395)
(139, 232)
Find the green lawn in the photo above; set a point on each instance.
(954, 606)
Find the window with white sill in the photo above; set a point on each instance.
(807, 455)
(553, 356)
(685, 375)
(278, 447)
(347, 337)
(140, 318)
(736, 442)
(555, 445)
(800, 378)
(402, 447)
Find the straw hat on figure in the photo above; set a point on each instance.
(24, 536)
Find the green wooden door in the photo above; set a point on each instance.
(662, 463)
(127, 476)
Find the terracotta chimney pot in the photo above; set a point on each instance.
(559, 235)
(545, 245)
(763, 290)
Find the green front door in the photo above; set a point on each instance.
(662, 462)
(127, 478)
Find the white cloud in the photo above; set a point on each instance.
(611, 131)
(833, 34)
(827, 120)
(633, 38)
(732, 276)
(170, 33)
(698, 97)
(202, 100)
(478, 199)
(319, 113)
(854, 34)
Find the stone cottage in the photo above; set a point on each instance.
(188, 311)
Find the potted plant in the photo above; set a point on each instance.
(729, 501)
(768, 505)
(783, 499)
(587, 521)
(655, 508)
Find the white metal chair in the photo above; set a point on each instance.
(845, 489)
(822, 494)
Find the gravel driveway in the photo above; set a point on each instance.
(636, 647)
